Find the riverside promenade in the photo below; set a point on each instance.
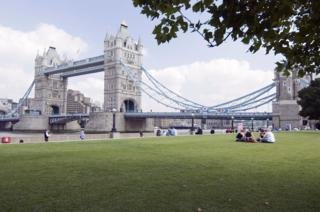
(61, 137)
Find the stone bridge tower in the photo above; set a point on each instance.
(120, 91)
(286, 109)
(50, 91)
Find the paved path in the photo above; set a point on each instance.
(55, 137)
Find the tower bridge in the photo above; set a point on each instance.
(123, 87)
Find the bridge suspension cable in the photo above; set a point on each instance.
(166, 91)
(148, 89)
(245, 100)
(21, 101)
(236, 104)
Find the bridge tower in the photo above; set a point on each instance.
(286, 109)
(120, 92)
(50, 91)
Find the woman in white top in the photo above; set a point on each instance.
(268, 137)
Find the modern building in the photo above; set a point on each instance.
(77, 102)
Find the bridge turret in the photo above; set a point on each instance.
(50, 91)
(120, 91)
(286, 109)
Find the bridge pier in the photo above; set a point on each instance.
(101, 122)
(32, 123)
(6, 126)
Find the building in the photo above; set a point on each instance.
(77, 102)
(6, 105)
(286, 109)
(120, 91)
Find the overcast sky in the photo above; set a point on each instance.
(77, 29)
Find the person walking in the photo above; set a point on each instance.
(82, 135)
(46, 135)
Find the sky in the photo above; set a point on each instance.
(77, 30)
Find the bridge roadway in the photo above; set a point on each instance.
(77, 68)
(60, 119)
(9, 119)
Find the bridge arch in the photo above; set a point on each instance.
(129, 105)
(55, 109)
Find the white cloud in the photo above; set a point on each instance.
(18, 50)
(211, 82)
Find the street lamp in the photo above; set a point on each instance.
(232, 123)
(267, 123)
(252, 124)
(114, 120)
(192, 123)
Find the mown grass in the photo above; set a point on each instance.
(194, 173)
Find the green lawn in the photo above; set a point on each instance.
(193, 173)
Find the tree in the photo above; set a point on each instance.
(287, 27)
(310, 100)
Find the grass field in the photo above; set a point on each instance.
(193, 173)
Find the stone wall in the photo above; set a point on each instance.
(286, 114)
(32, 123)
(99, 122)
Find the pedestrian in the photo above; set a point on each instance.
(82, 135)
(46, 135)
(141, 133)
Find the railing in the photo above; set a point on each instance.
(58, 119)
(83, 71)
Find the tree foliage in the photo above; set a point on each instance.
(310, 100)
(287, 27)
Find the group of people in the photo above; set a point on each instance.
(46, 135)
(170, 132)
(265, 136)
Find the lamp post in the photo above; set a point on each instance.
(192, 123)
(114, 120)
(267, 123)
(252, 124)
(232, 117)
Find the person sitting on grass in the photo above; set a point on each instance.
(267, 136)
(249, 137)
(241, 136)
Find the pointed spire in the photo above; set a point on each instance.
(123, 31)
(107, 37)
(124, 24)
